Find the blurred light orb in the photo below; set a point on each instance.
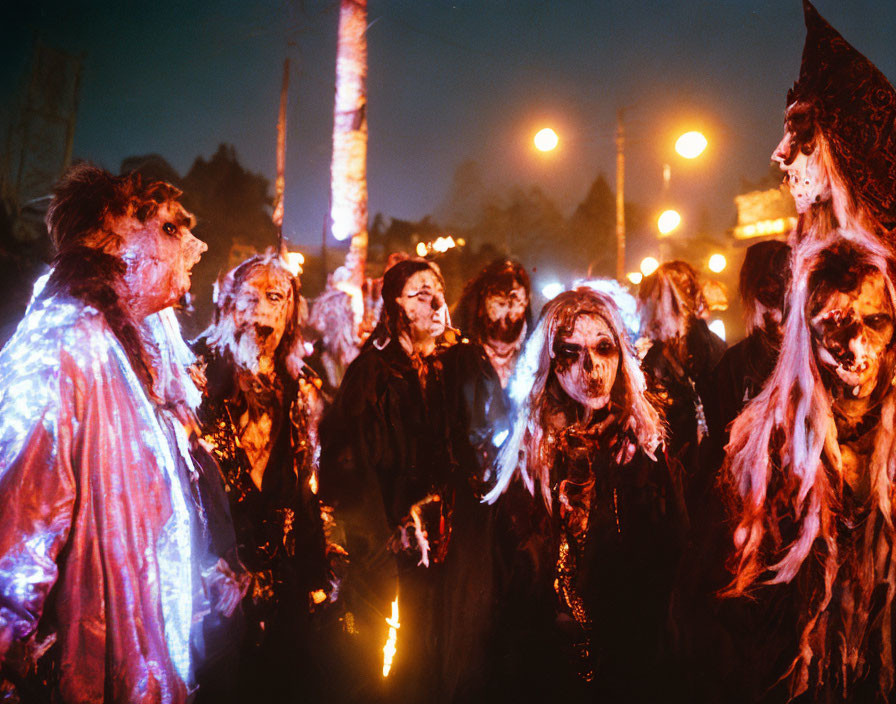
(546, 140)
(691, 145)
(421, 249)
(635, 277)
(649, 265)
(717, 264)
(294, 261)
(668, 221)
(718, 327)
(552, 290)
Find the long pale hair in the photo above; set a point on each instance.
(779, 450)
(531, 445)
(668, 300)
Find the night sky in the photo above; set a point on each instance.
(449, 81)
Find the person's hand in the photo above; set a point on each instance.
(227, 588)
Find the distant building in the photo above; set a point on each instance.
(768, 214)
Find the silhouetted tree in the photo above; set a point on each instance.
(466, 198)
(233, 210)
(152, 167)
(592, 231)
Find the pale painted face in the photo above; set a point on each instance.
(807, 180)
(159, 255)
(587, 361)
(423, 301)
(852, 332)
(262, 307)
(506, 312)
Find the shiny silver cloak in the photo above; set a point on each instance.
(96, 504)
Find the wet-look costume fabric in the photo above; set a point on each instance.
(99, 515)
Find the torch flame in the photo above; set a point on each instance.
(389, 649)
(312, 482)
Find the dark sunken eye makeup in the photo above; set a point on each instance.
(567, 350)
(605, 347)
(878, 321)
(169, 228)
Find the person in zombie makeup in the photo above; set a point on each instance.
(381, 455)
(259, 413)
(114, 525)
(494, 311)
(807, 478)
(396, 465)
(744, 367)
(808, 481)
(333, 320)
(680, 359)
(838, 152)
(587, 443)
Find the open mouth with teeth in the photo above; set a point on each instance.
(263, 331)
(853, 374)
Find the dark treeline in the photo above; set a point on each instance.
(233, 209)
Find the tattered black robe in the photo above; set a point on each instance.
(593, 578)
(388, 442)
(278, 527)
(683, 387)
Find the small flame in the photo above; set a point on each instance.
(389, 648)
(422, 542)
(312, 482)
(416, 515)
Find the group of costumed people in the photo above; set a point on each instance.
(512, 509)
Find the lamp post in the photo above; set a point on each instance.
(690, 145)
(620, 197)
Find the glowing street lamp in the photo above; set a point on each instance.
(635, 277)
(440, 245)
(690, 145)
(717, 263)
(649, 265)
(668, 221)
(546, 140)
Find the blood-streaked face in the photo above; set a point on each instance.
(262, 308)
(807, 180)
(852, 331)
(586, 361)
(423, 301)
(506, 313)
(159, 255)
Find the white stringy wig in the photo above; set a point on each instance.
(222, 336)
(668, 299)
(530, 448)
(781, 448)
(333, 319)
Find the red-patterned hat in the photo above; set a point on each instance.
(854, 105)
